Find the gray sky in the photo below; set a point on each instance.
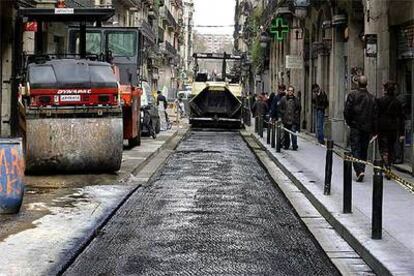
(214, 12)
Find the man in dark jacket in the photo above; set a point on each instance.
(289, 108)
(259, 107)
(163, 99)
(361, 116)
(274, 112)
(320, 103)
(390, 123)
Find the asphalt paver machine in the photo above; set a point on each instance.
(70, 110)
(216, 100)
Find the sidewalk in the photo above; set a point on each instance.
(61, 213)
(394, 254)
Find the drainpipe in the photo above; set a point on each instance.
(412, 119)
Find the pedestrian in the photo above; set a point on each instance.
(269, 101)
(274, 110)
(320, 103)
(390, 123)
(162, 105)
(260, 108)
(361, 116)
(290, 113)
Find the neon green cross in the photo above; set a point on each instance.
(279, 28)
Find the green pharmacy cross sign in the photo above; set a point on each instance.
(279, 28)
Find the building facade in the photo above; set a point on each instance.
(325, 42)
(8, 74)
(170, 39)
(217, 43)
(188, 35)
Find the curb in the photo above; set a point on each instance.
(364, 253)
(94, 231)
(354, 265)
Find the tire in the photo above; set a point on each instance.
(153, 131)
(136, 141)
(157, 126)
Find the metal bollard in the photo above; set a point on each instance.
(328, 167)
(256, 124)
(377, 202)
(268, 133)
(347, 185)
(278, 137)
(273, 135)
(261, 126)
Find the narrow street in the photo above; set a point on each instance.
(211, 210)
(206, 137)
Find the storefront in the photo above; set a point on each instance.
(405, 78)
(402, 67)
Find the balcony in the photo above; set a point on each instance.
(147, 30)
(160, 35)
(168, 49)
(168, 19)
(153, 11)
(130, 3)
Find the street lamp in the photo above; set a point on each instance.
(264, 39)
(301, 8)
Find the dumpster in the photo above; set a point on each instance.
(12, 168)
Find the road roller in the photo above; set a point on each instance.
(71, 116)
(216, 99)
(69, 106)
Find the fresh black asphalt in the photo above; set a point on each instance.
(212, 210)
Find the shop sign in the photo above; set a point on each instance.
(30, 26)
(294, 62)
(279, 28)
(64, 11)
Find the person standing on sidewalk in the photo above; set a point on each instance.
(162, 105)
(390, 123)
(320, 102)
(259, 107)
(361, 116)
(290, 113)
(274, 106)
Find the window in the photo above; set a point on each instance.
(93, 43)
(122, 44)
(41, 76)
(102, 76)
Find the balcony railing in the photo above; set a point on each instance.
(147, 30)
(131, 3)
(153, 11)
(168, 18)
(169, 49)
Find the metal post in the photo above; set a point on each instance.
(328, 167)
(273, 135)
(82, 40)
(261, 126)
(347, 204)
(412, 123)
(377, 202)
(268, 133)
(278, 137)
